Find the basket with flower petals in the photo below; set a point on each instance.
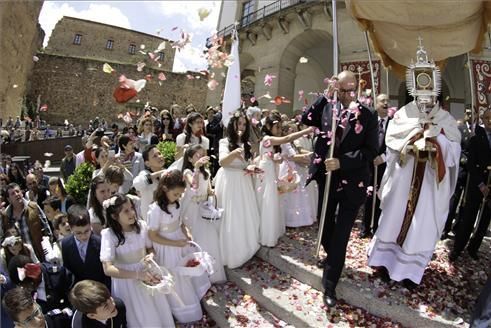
(196, 264)
(166, 284)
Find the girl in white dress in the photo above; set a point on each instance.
(124, 244)
(305, 144)
(297, 206)
(171, 242)
(205, 232)
(193, 134)
(99, 192)
(272, 220)
(146, 181)
(239, 229)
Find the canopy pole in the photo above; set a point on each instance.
(387, 87)
(327, 187)
(374, 89)
(471, 81)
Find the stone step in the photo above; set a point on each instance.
(298, 303)
(294, 256)
(230, 306)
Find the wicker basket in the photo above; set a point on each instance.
(166, 285)
(205, 263)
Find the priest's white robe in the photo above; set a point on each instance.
(410, 260)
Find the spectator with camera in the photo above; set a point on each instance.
(27, 217)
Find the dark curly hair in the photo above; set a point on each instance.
(271, 119)
(233, 136)
(186, 161)
(112, 213)
(168, 181)
(187, 129)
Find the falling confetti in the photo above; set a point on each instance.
(162, 77)
(203, 13)
(182, 42)
(142, 46)
(303, 60)
(160, 47)
(128, 89)
(212, 84)
(35, 59)
(268, 79)
(139, 66)
(106, 68)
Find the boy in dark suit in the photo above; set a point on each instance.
(82, 249)
(95, 308)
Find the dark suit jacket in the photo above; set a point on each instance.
(92, 267)
(80, 320)
(42, 195)
(479, 157)
(383, 147)
(356, 150)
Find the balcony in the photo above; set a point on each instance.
(278, 7)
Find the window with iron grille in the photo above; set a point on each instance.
(132, 49)
(247, 9)
(161, 56)
(109, 44)
(77, 39)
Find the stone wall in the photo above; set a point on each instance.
(94, 37)
(20, 39)
(78, 90)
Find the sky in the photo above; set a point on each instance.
(152, 17)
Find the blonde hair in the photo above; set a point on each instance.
(142, 123)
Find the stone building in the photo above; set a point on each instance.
(275, 34)
(69, 75)
(77, 89)
(80, 38)
(21, 38)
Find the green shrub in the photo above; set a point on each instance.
(78, 184)
(168, 150)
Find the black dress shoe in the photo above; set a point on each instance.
(473, 255)
(329, 298)
(409, 284)
(321, 263)
(384, 274)
(444, 235)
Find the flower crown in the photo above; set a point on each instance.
(109, 202)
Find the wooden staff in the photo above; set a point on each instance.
(471, 82)
(327, 187)
(374, 193)
(374, 95)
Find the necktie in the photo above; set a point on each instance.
(343, 123)
(82, 251)
(381, 132)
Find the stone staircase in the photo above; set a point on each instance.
(281, 287)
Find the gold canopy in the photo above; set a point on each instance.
(448, 28)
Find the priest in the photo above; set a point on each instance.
(423, 146)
